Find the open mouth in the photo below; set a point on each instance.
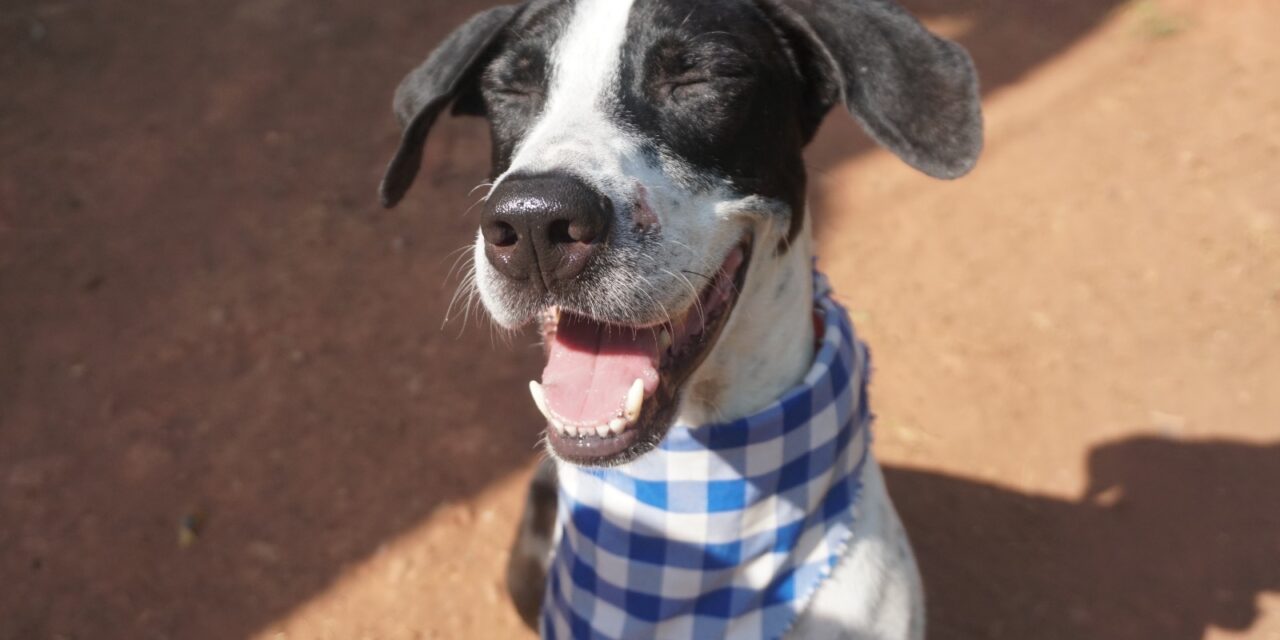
(610, 391)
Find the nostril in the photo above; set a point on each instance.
(560, 232)
(500, 234)
(580, 232)
(571, 231)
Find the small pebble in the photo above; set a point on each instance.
(189, 528)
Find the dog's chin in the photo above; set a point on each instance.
(610, 391)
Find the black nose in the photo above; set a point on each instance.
(544, 228)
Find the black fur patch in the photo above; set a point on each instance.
(514, 86)
(527, 575)
(710, 83)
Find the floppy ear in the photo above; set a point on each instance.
(915, 93)
(448, 72)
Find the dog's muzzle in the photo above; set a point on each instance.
(616, 357)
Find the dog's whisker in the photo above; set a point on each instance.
(710, 33)
(482, 185)
(654, 301)
(459, 256)
(687, 18)
(693, 291)
(464, 282)
(466, 288)
(706, 260)
(473, 206)
(695, 273)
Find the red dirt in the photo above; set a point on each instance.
(204, 318)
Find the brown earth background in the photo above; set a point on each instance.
(231, 405)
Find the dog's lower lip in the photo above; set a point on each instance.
(592, 449)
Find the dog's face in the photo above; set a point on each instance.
(647, 160)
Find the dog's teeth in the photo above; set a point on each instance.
(602, 430)
(635, 400)
(664, 340)
(540, 399)
(617, 426)
(569, 429)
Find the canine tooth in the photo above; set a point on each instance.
(617, 426)
(635, 400)
(664, 340)
(540, 399)
(602, 430)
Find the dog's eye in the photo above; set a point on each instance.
(687, 87)
(703, 84)
(516, 92)
(522, 95)
(515, 78)
(680, 72)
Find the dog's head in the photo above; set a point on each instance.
(647, 163)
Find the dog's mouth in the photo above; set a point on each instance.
(609, 391)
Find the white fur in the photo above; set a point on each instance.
(573, 131)
(767, 344)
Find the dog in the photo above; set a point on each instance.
(647, 212)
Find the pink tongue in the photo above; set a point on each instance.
(591, 367)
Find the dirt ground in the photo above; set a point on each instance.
(231, 405)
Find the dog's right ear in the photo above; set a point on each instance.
(447, 73)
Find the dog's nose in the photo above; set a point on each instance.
(550, 225)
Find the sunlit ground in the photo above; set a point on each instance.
(1108, 280)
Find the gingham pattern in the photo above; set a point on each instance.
(723, 531)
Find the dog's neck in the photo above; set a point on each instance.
(768, 344)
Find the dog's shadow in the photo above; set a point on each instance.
(1169, 539)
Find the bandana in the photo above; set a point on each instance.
(723, 530)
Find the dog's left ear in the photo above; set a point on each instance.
(445, 76)
(915, 93)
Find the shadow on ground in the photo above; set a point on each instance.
(1003, 564)
(203, 315)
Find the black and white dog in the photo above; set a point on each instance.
(648, 201)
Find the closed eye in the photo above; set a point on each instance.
(516, 92)
(680, 70)
(702, 81)
(677, 86)
(517, 75)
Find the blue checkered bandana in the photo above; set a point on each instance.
(724, 530)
